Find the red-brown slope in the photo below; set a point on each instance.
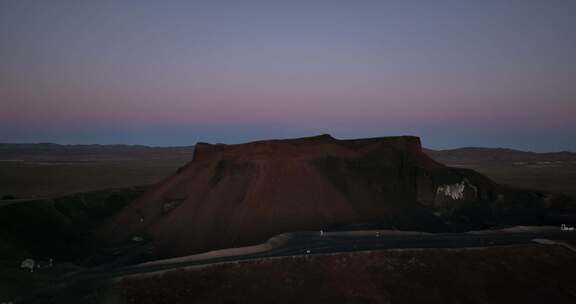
(235, 195)
(519, 274)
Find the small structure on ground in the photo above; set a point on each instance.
(28, 263)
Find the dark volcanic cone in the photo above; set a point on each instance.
(236, 195)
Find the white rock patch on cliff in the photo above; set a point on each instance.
(454, 191)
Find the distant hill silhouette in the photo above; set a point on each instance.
(484, 155)
(57, 152)
(52, 152)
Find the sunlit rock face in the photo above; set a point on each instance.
(457, 191)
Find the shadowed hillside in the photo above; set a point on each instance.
(234, 195)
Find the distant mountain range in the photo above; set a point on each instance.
(57, 152)
(482, 155)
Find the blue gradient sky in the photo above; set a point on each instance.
(456, 73)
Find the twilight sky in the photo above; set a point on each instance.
(457, 73)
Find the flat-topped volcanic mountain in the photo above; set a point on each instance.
(237, 195)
